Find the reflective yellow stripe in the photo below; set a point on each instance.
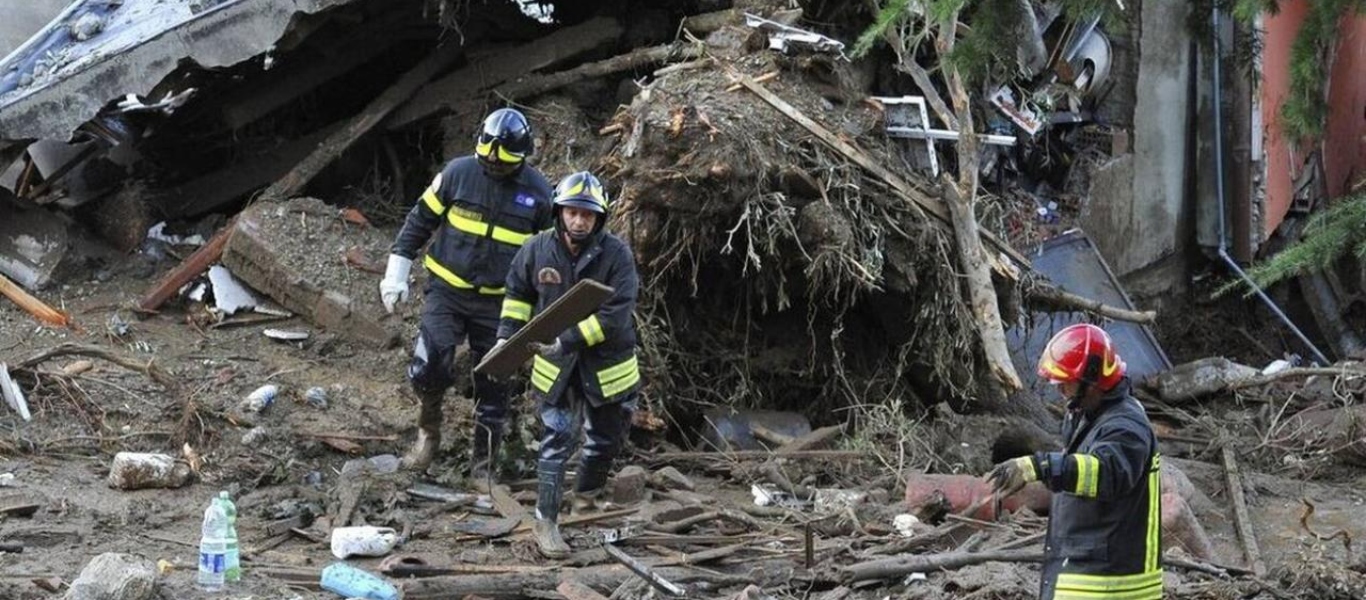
(1154, 541)
(508, 236)
(469, 222)
(619, 377)
(543, 374)
(486, 149)
(446, 275)
(1103, 583)
(433, 203)
(1088, 476)
(591, 329)
(1151, 592)
(516, 309)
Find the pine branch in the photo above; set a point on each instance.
(1328, 236)
(891, 14)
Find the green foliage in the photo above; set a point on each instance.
(1329, 235)
(891, 14)
(1246, 11)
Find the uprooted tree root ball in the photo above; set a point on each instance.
(775, 272)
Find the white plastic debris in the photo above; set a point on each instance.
(765, 495)
(286, 335)
(829, 500)
(13, 394)
(782, 37)
(6, 480)
(905, 524)
(229, 294)
(363, 541)
(158, 232)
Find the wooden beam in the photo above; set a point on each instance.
(534, 85)
(581, 300)
(190, 268)
(903, 188)
(1241, 518)
(294, 182)
(471, 80)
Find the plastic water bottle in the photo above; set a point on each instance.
(232, 563)
(348, 581)
(213, 547)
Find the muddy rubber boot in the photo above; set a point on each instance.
(428, 441)
(588, 487)
(484, 456)
(547, 528)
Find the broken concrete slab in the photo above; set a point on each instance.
(292, 252)
(57, 81)
(35, 246)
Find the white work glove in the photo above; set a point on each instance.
(550, 350)
(394, 287)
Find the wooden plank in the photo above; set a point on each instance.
(32, 305)
(581, 300)
(294, 182)
(539, 84)
(811, 441)
(1241, 517)
(926, 203)
(508, 506)
(472, 80)
(189, 269)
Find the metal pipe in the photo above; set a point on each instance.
(1219, 191)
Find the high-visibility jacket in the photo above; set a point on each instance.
(479, 221)
(1104, 537)
(602, 347)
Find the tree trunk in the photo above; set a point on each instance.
(961, 201)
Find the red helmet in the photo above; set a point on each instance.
(1084, 354)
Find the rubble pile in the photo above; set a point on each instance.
(819, 403)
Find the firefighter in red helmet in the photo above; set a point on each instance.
(1105, 523)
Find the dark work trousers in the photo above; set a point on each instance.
(604, 426)
(450, 316)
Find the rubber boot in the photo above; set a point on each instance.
(547, 528)
(588, 488)
(484, 456)
(428, 441)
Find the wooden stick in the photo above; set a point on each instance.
(1053, 296)
(1240, 514)
(190, 268)
(534, 85)
(892, 568)
(654, 579)
(769, 76)
(148, 368)
(33, 306)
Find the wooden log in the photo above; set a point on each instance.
(1242, 519)
(813, 440)
(472, 80)
(599, 577)
(983, 302)
(1044, 295)
(190, 268)
(294, 182)
(33, 306)
(894, 568)
(535, 85)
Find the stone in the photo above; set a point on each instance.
(670, 478)
(113, 576)
(137, 471)
(628, 487)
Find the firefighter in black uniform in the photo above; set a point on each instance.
(482, 209)
(589, 371)
(1105, 523)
